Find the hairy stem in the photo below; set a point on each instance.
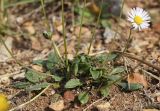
(81, 21)
(93, 35)
(44, 12)
(128, 41)
(64, 39)
(120, 16)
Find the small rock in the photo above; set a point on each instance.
(19, 76)
(104, 106)
(109, 35)
(57, 106)
(20, 20)
(69, 96)
(5, 81)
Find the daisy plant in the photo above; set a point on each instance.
(140, 20)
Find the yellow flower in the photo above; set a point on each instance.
(4, 104)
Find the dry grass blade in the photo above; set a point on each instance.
(22, 105)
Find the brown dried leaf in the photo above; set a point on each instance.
(94, 8)
(69, 96)
(29, 27)
(36, 45)
(157, 28)
(137, 78)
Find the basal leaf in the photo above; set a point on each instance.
(39, 62)
(72, 83)
(111, 56)
(131, 86)
(56, 78)
(117, 70)
(38, 86)
(106, 57)
(21, 85)
(34, 77)
(113, 77)
(53, 57)
(104, 91)
(83, 97)
(96, 73)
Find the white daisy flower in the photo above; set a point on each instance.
(140, 18)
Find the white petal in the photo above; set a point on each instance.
(130, 19)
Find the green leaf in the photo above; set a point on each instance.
(75, 69)
(34, 77)
(56, 78)
(49, 65)
(111, 56)
(38, 86)
(39, 62)
(96, 73)
(72, 83)
(21, 85)
(104, 91)
(106, 57)
(117, 70)
(83, 97)
(113, 77)
(53, 57)
(105, 23)
(131, 86)
(56, 85)
(84, 66)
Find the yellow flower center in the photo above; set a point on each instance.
(4, 105)
(138, 20)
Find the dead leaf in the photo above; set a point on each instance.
(69, 96)
(57, 106)
(94, 8)
(158, 99)
(56, 37)
(138, 45)
(36, 45)
(137, 78)
(38, 68)
(4, 54)
(85, 32)
(156, 27)
(29, 27)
